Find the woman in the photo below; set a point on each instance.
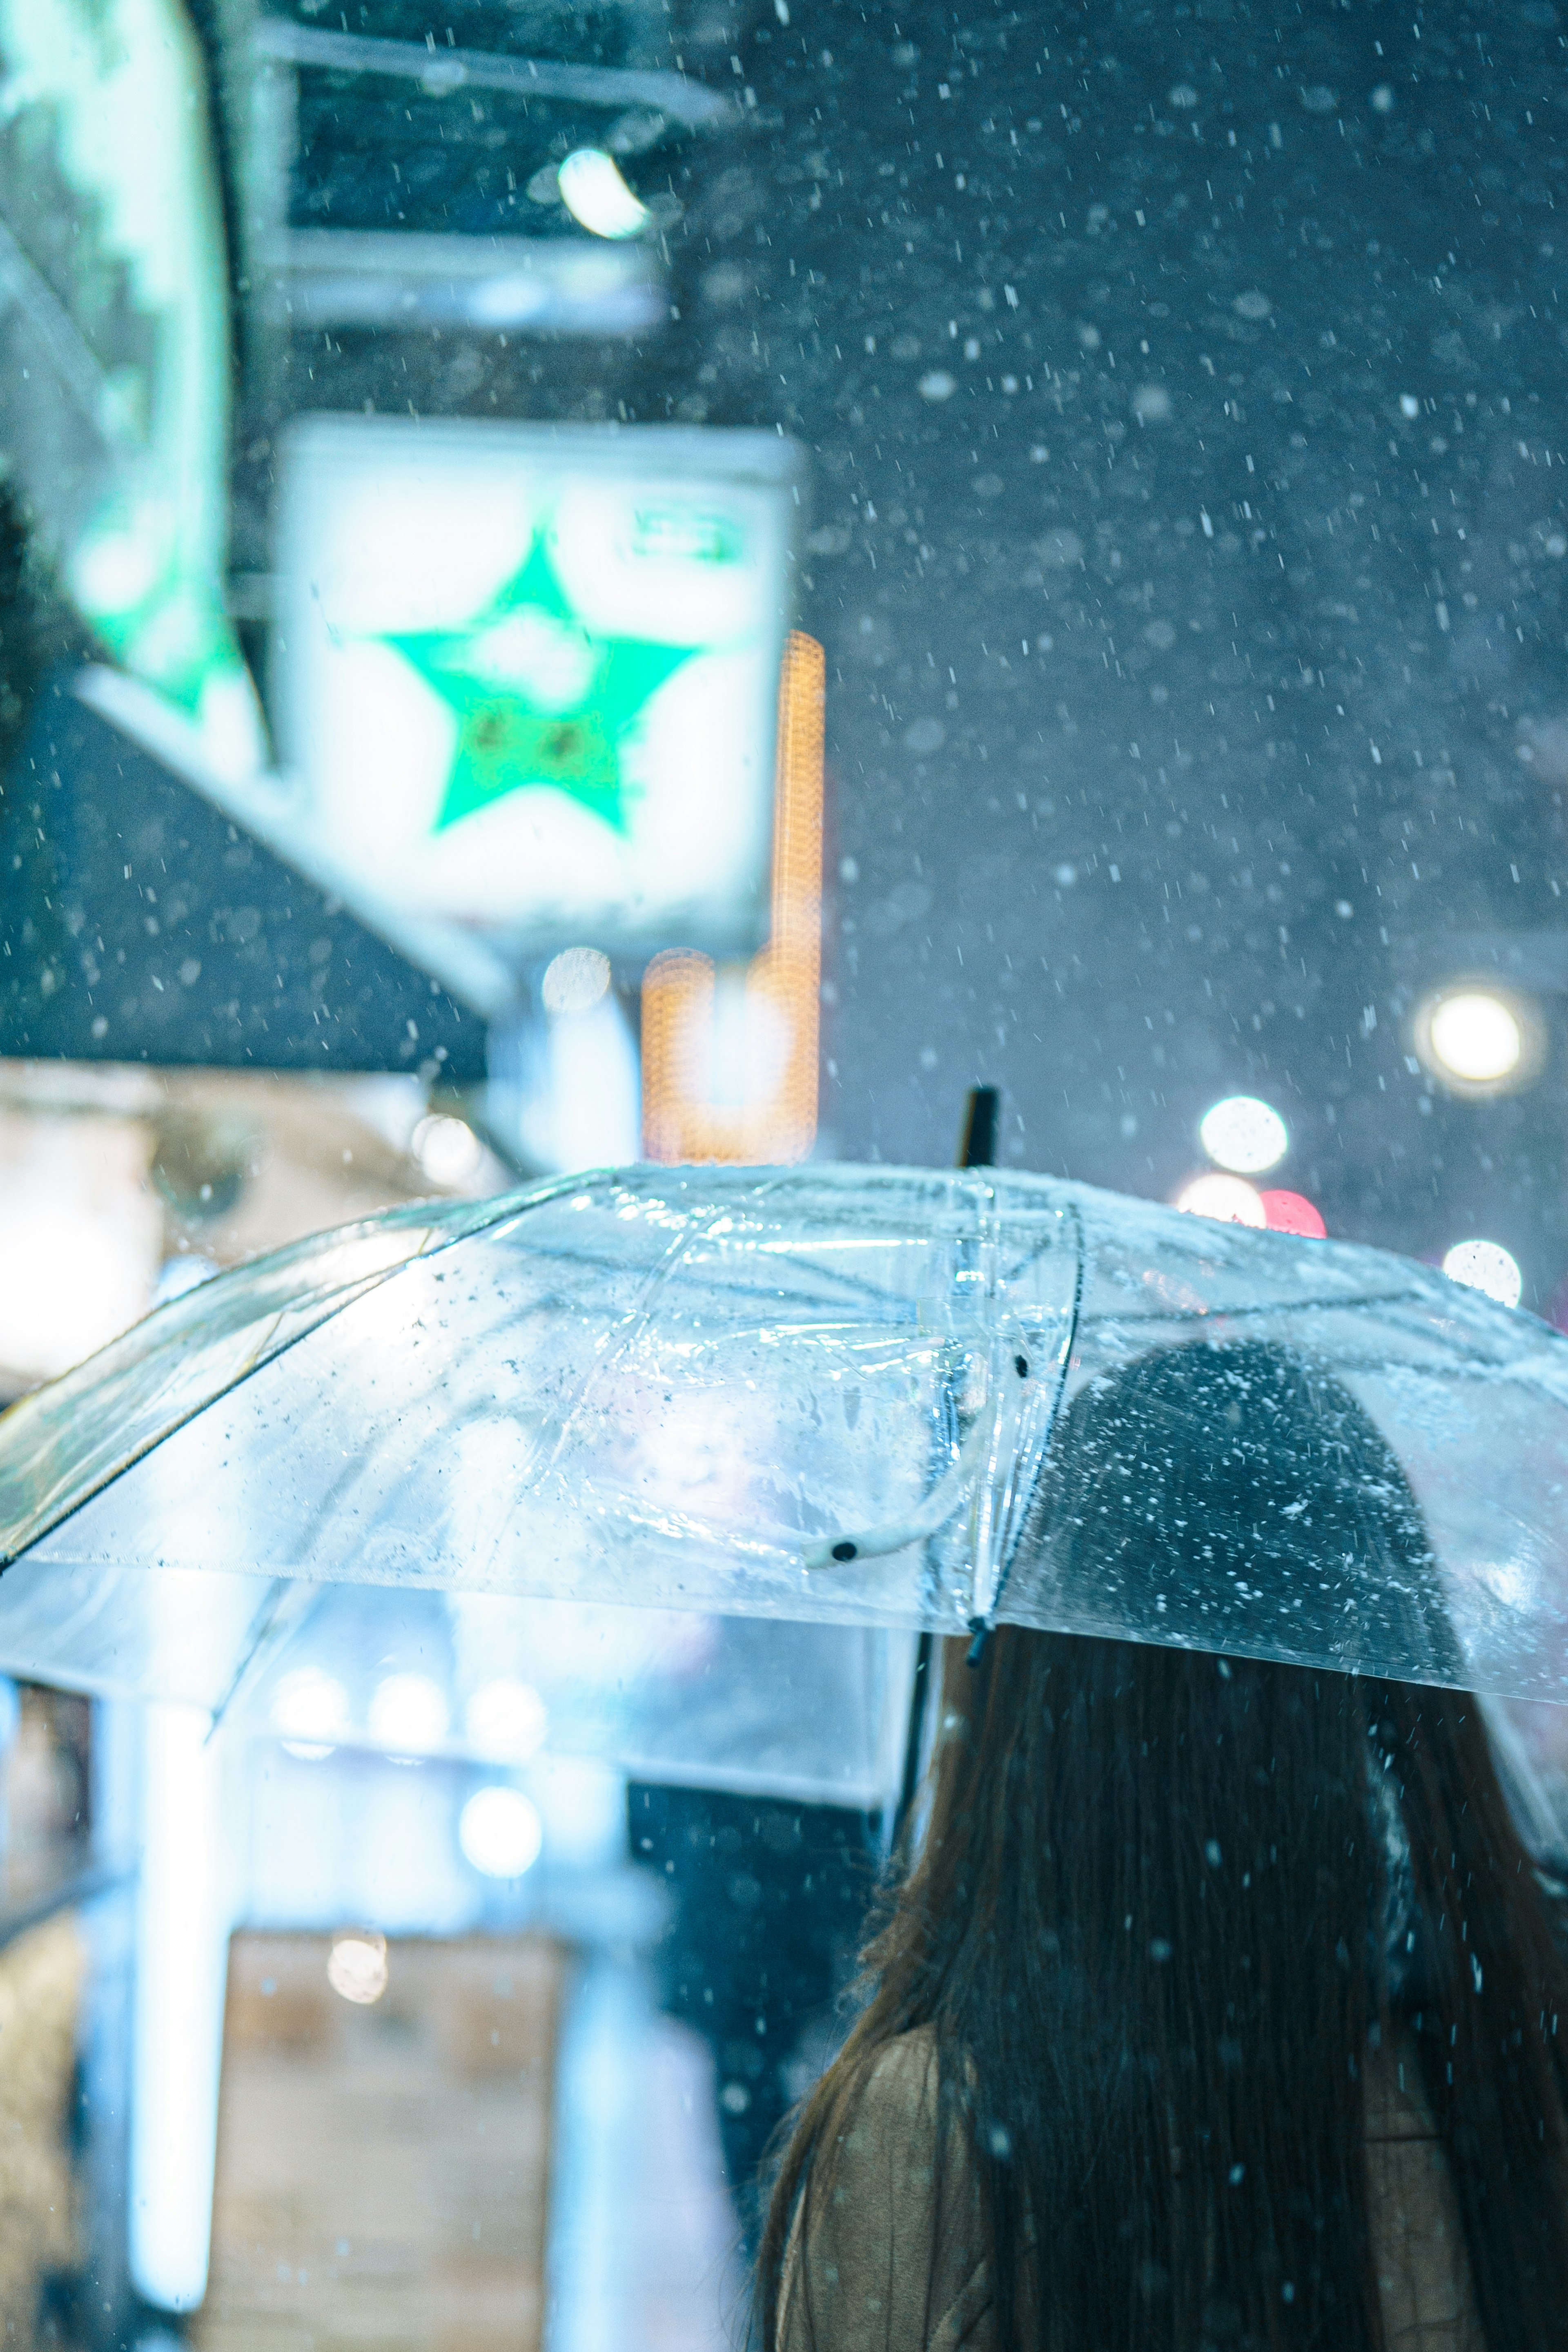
(1221, 2007)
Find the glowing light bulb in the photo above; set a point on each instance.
(446, 1148)
(500, 1833)
(1475, 1036)
(1485, 1266)
(1244, 1135)
(356, 1968)
(1230, 1198)
(595, 193)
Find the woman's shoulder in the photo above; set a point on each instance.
(888, 2121)
(903, 2081)
(886, 2250)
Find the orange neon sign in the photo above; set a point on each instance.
(729, 1056)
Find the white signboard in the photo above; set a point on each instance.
(527, 677)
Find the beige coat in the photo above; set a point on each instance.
(867, 2269)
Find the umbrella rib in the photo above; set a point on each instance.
(288, 1602)
(936, 1508)
(484, 1218)
(982, 1627)
(1411, 1296)
(635, 1319)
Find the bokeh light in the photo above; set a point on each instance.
(507, 1720)
(1473, 1036)
(1230, 1198)
(1292, 1213)
(575, 980)
(1244, 1135)
(356, 1968)
(447, 1150)
(594, 193)
(1485, 1266)
(408, 1715)
(310, 1713)
(500, 1833)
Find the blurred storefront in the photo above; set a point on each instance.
(123, 1185)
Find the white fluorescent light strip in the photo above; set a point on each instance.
(182, 1967)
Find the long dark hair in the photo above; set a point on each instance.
(1166, 1903)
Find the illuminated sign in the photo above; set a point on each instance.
(528, 678)
(729, 1060)
(116, 366)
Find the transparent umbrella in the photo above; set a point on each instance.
(841, 1398)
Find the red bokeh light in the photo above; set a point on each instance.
(1292, 1213)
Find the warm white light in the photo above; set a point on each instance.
(1230, 1198)
(595, 193)
(1476, 1036)
(1485, 1266)
(575, 980)
(357, 1967)
(499, 1832)
(310, 1713)
(446, 1148)
(408, 1715)
(507, 1720)
(1244, 1135)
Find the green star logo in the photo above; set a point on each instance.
(539, 699)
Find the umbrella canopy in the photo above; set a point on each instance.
(846, 1397)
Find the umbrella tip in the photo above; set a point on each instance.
(982, 1114)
